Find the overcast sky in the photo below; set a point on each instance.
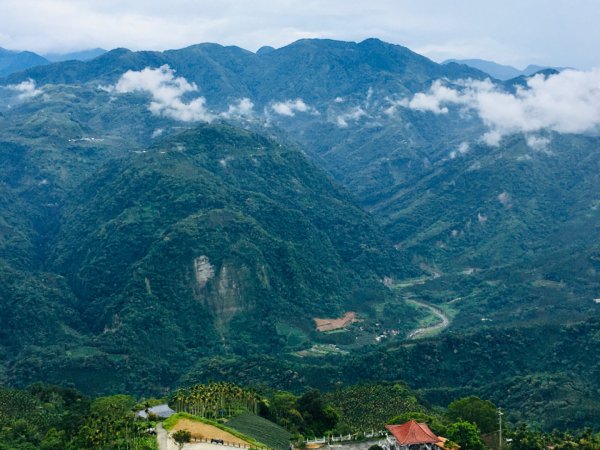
(517, 32)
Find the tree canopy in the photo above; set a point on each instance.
(482, 413)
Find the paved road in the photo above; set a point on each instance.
(444, 319)
(163, 437)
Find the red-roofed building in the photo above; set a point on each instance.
(412, 435)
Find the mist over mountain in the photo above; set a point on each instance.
(211, 202)
(81, 55)
(17, 61)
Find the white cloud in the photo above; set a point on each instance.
(353, 115)
(394, 105)
(504, 199)
(538, 143)
(25, 90)
(433, 100)
(241, 109)
(462, 149)
(437, 28)
(167, 92)
(290, 107)
(492, 138)
(567, 102)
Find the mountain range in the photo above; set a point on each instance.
(139, 249)
(12, 61)
(501, 71)
(15, 61)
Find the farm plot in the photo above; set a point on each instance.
(203, 429)
(262, 430)
(325, 325)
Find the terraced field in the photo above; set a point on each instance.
(262, 430)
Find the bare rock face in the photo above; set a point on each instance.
(230, 299)
(203, 270)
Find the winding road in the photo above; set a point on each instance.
(443, 323)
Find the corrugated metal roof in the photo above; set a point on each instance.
(162, 411)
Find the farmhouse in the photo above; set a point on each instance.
(413, 435)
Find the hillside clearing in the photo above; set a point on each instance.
(324, 325)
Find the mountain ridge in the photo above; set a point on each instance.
(17, 61)
(501, 71)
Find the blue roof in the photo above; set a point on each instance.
(162, 411)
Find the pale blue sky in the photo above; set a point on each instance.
(545, 32)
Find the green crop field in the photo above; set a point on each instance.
(262, 430)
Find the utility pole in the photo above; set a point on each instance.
(500, 413)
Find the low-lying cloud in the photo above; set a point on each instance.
(167, 93)
(353, 115)
(25, 90)
(289, 108)
(462, 149)
(567, 102)
(243, 108)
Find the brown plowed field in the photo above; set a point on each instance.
(336, 324)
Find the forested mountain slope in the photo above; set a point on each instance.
(151, 245)
(198, 245)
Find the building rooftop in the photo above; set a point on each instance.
(413, 432)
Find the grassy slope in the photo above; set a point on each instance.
(172, 421)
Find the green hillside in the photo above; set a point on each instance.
(199, 246)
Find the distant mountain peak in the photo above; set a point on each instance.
(15, 61)
(80, 55)
(265, 49)
(501, 71)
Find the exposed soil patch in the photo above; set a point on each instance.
(336, 324)
(203, 430)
